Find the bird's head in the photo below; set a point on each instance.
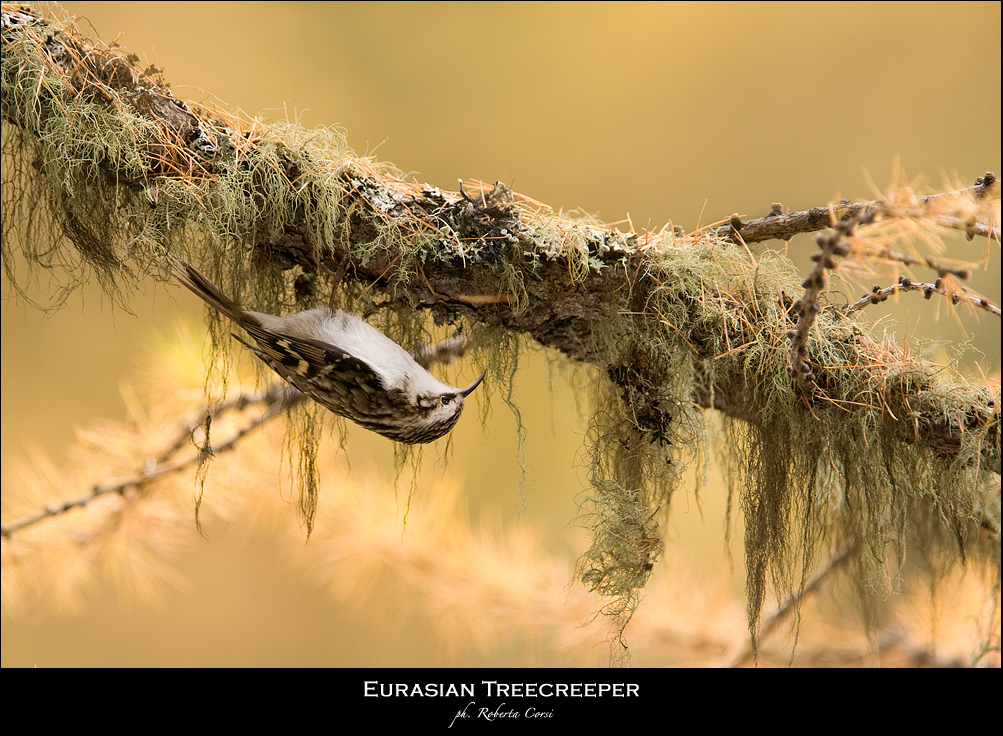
(435, 413)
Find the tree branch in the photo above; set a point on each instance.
(566, 271)
(272, 402)
(779, 225)
(793, 601)
(878, 295)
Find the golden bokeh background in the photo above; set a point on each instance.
(652, 112)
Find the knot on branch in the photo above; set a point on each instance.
(642, 399)
(488, 220)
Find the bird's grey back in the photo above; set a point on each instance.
(352, 334)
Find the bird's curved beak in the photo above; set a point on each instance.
(473, 385)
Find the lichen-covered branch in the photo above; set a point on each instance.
(877, 444)
(146, 167)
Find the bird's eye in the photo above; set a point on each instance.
(445, 400)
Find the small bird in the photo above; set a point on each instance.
(346, 365)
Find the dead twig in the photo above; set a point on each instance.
(793, 602)
(273, 400)
(779, 225)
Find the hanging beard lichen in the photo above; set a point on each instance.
(834, 469)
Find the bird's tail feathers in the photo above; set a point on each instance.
(208, 292)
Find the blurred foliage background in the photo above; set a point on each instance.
(678, 112)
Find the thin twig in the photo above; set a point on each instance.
(274, 399)
(794, 600)
(783, 226)
(442, 352)
(878, 295)
(807, 307)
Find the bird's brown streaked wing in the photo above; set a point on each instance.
(307, 358)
